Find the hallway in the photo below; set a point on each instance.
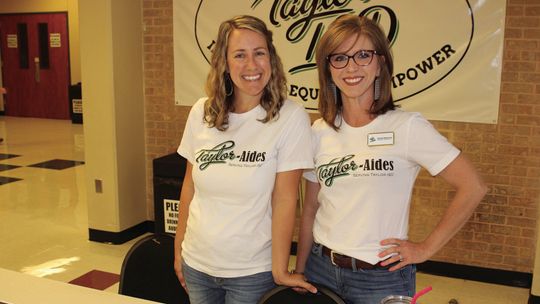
(43, 205)
(44, 223)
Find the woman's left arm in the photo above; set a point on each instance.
(470, 189)
(284, 199)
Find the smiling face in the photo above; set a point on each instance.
(355, 81)
(248, 62)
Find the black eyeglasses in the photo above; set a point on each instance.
(362, 58)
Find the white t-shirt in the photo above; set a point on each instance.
(229, 225)
(367, 175)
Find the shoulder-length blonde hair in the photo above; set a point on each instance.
(218, 105)
(344, 27)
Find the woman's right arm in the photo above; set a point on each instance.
(305, 237)
(185, 199)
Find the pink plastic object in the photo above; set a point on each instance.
(420, 293)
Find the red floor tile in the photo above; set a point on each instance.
(97, 279)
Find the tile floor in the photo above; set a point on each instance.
(43, 217)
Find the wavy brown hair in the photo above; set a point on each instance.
(218, 105)
(340, 30)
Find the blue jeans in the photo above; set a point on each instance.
(206, 289)
(360, 286)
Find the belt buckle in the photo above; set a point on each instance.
(332, 258)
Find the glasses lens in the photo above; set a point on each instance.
(363, 57)
(339, 61)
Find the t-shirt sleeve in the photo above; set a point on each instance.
(294, 150)
(428, 147)
(185, 148)
(309, 174)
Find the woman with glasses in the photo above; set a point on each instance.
(353, 234)
(246, 146)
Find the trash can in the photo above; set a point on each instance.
(75, 103)
(169, 173)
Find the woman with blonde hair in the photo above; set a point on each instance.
(246, 146)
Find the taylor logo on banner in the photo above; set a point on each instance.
(447, 54)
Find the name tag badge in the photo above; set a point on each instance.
(380, 139)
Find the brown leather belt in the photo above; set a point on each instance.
(344, 261)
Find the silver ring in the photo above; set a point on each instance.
(400, 258)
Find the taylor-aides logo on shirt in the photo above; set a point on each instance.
(337, 167)
(223, 153)
(345, 166)
(216, 155)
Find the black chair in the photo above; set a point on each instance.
(148, 271)
(286, 295)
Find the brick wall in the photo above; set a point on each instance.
(502, 232)
(164, 120)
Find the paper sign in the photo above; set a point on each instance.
(77, 106)
(12, 41)
(54, 40)
(170, 215)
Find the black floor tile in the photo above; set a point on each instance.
(4, 167)
(6, 180)
(57, 164)
(6, 156)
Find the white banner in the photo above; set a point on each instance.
(447, 54)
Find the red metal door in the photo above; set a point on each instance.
(35, 68)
